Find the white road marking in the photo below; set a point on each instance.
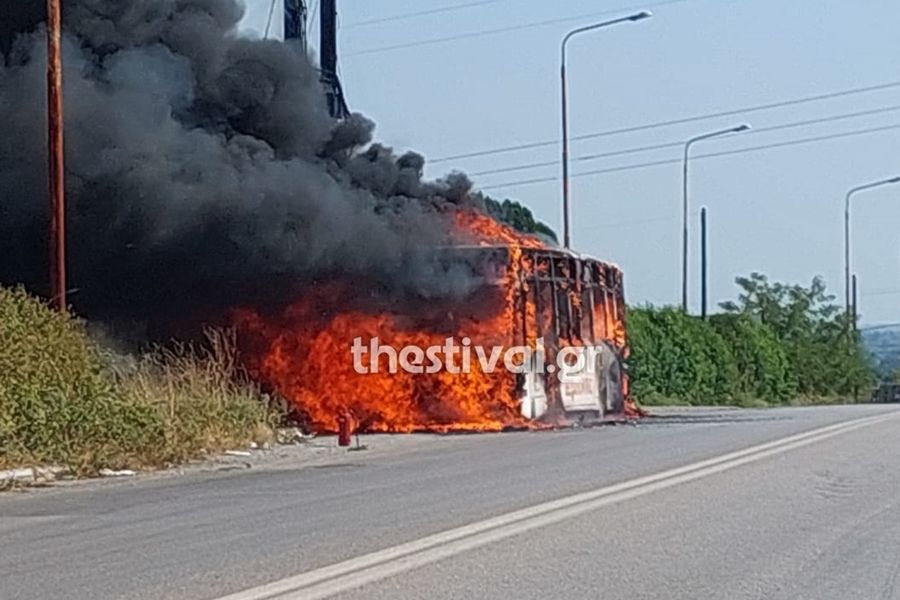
(355, 572)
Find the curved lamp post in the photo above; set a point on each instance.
(565, 123)
(850, 194)
(684, 249)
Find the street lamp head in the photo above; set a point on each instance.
(894, 180)
(740, 128)
(644, 14)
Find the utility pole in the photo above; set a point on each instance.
(854, 313)
(337, 106)
(704, 264)
(56, 162)
(295, 14)
(685, 205)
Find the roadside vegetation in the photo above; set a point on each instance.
(776, 344)
(65, 400)
(516, 215)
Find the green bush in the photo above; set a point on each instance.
(675, 357)
(777, 344)
(58, 403)
(63, 400)
(764, 369)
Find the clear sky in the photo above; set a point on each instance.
(778, 211)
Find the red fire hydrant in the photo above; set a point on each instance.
(343, 429)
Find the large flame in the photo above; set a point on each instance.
(479, 228)
(304, 351)
(309, 362)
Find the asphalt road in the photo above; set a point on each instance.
(788, 503)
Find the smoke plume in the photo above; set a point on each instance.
(203, 170)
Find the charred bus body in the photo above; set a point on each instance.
(561, 301)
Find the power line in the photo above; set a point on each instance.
(877, 327)
(312, 18)
(882, 293)
(678, 144)
(699, 157)
(630, 223)
(678, 121)
(422, 13)
(269, 21)
(487, 32)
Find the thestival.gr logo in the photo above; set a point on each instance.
(457, 357)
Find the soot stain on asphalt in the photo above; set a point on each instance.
(337, 466)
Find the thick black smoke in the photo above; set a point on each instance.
(202, 169)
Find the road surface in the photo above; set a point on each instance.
(787, 503)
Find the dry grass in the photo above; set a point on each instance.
(204, 399)
(65, 400)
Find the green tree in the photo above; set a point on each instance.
(827, 357)
(517, 216)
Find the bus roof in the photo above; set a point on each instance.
(546, 250)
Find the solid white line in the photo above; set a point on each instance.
(339, 577)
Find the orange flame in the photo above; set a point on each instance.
(311, 364)
(304, 353)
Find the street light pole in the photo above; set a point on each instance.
(686, 207)
(859, 188)
(56, 156)
(565, 119)
(704, 265)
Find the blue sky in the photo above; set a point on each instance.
(778, 211)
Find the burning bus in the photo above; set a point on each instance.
(519, 292)
(564, 308)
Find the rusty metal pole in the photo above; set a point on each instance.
(56, 156)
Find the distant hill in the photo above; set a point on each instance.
(884, 344)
